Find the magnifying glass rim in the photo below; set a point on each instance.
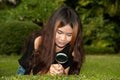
(63, 55)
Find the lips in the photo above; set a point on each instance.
(61, 43)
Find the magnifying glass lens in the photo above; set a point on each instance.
(61, 58)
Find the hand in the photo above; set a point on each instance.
(56, 69)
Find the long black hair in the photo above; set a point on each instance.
(46, 54)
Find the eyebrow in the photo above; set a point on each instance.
(63, 32)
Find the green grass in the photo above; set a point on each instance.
(8, 65)
(102, 67)
(96, 67)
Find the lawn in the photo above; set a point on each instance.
(96, 67)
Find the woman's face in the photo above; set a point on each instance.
(63, 36)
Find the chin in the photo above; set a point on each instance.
(61, 46)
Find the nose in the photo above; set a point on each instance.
(63, 37)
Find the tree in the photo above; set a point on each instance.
(101, 22)
(7, 4)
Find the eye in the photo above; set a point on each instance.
(69, 34)
(59, 32)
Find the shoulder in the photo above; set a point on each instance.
(37, 42)
(38, 38)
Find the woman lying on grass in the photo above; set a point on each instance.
(62, 35)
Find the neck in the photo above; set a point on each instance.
(59, 48)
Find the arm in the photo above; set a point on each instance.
(74, 68)
(67, 70)
(31, 45)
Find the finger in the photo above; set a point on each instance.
(56, 69)
(55, 66)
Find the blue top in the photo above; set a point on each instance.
(21, 71)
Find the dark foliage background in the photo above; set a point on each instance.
(13, 35)
(100, 19)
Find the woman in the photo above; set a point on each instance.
(61, 34)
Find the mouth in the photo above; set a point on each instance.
(61, 43)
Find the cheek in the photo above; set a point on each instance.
(69, 39)
(56, 37)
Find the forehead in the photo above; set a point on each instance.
(66, 29)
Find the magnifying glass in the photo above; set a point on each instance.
(61, 58)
